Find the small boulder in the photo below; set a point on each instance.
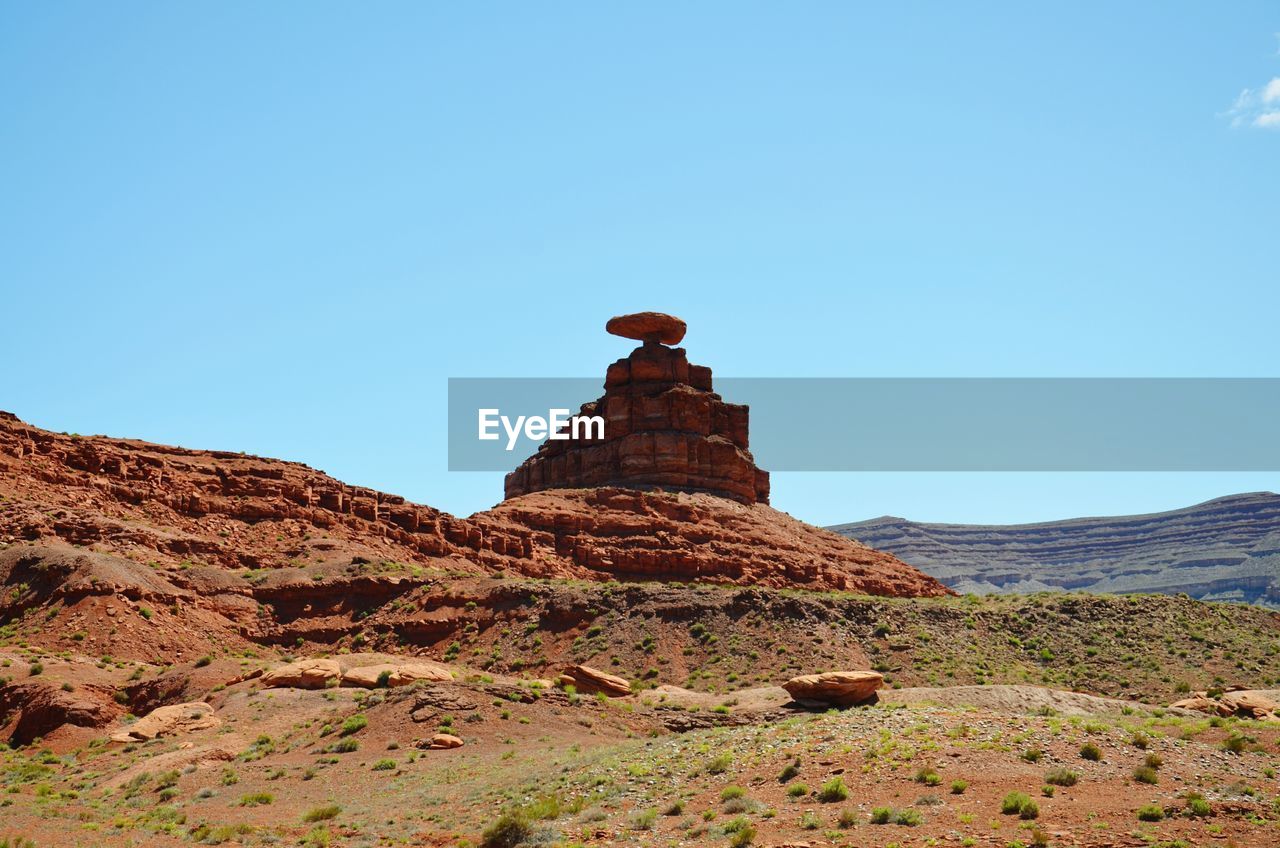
(169, 721)
(398, 674)
(303, 674)
(589, 681)
(834, 688)
(440, 742)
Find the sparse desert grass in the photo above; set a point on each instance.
(324, 813)
(1061, 777)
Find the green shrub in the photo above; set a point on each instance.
(881, 815)
(1031, 755)
(1091, 752)
(1014, 802)
(928, 776)
(789, 772)
(1030, 810)
(384, 765)
(354, 724)
(322, 813)
(908, 817)
(1153, 761)
(731, 792)
(1061, 777)
(344, 746)
(256, 799)
(720, 764)
(644, 819)
(1151, 813)
(743, 837)
(847, 818)
(833, 791)
(959, 786)
(1197, 806)
(797, 790)
(810, 821)
(1146, 774)
(510, 830)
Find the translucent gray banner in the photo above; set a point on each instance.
(926, 424)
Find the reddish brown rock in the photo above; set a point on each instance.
(33, 710)
(1250, 704)
(648, 327)
(304, 674)
(629, 534)
(440, 742)
(103, 528)
(663, 428)
(397, 674)
(172, 720)
(589, 681)
(1203, 704)
(834, 688)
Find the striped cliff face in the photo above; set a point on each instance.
(1224, 549)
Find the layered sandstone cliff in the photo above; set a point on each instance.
(303, 538)
(664, 427)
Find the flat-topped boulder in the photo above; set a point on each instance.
(588, 681)
(396, 674)
(834, 688)
(648, 327)
(303, 674)
(171, 720)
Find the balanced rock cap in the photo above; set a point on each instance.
(648, 327)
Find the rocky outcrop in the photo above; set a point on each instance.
(304, 674)
(396, 674)
(1255, 705)
(32, 710)
(173, 720)
(664, 427)
(1242, 703)
(834, 688)
(589, 681)
(1227, 549)
(629, 534)
(257, 549)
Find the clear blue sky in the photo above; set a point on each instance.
(280, 227)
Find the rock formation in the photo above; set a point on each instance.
(664, 427)
(396, 674)
(169, 721)
(1226, 549)
(834, 688)
(589, 681)
(111, 526)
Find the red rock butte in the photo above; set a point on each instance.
(664, 427)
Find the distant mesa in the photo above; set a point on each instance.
(664, 427)
(648, 327)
